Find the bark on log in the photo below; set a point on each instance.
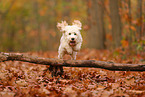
(71, 63)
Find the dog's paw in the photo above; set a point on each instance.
(77, 49)
(70, 53)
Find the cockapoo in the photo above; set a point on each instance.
(71, 39)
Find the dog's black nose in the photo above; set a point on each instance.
(72, 38)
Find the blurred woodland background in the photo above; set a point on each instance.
(30, 25)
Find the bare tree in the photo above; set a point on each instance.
(139, 17)
(37, 16)
(96, 33)
(144, 18)
(116, 22)
(131, 32)
(55, 36)
(67, 10)
(3, 17)
(100, 24)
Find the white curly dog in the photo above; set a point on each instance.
(71, 39)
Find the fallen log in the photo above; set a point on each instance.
(71, 63)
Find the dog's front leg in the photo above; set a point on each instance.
(60, 54)
(73, 56)
(77, 47)
(69, 50)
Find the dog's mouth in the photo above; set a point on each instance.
(72, 43)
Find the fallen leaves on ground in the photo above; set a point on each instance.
(27, 79)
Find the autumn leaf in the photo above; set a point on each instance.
(133, 28)
(124, 43)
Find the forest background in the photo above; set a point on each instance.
(113, 31)
(30, 25)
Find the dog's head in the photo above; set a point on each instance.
(71, 32)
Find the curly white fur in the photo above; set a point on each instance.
(71, 40)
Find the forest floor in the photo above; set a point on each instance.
(21, 79)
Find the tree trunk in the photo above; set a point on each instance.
(96, 35)
(100, 24)
(143, 29)
(11, 38)
(3, 16)
(67, 10)
(37, 16)
(131, 32)
(25, 34)
(53, 35)
(116, 23)
(139, 18)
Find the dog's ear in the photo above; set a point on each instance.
(77, 23)
(61, 26)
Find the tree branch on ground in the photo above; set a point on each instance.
(71, 63)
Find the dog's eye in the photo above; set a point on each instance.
(69, 33)
(75, 34)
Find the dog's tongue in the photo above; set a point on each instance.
(72, 43)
